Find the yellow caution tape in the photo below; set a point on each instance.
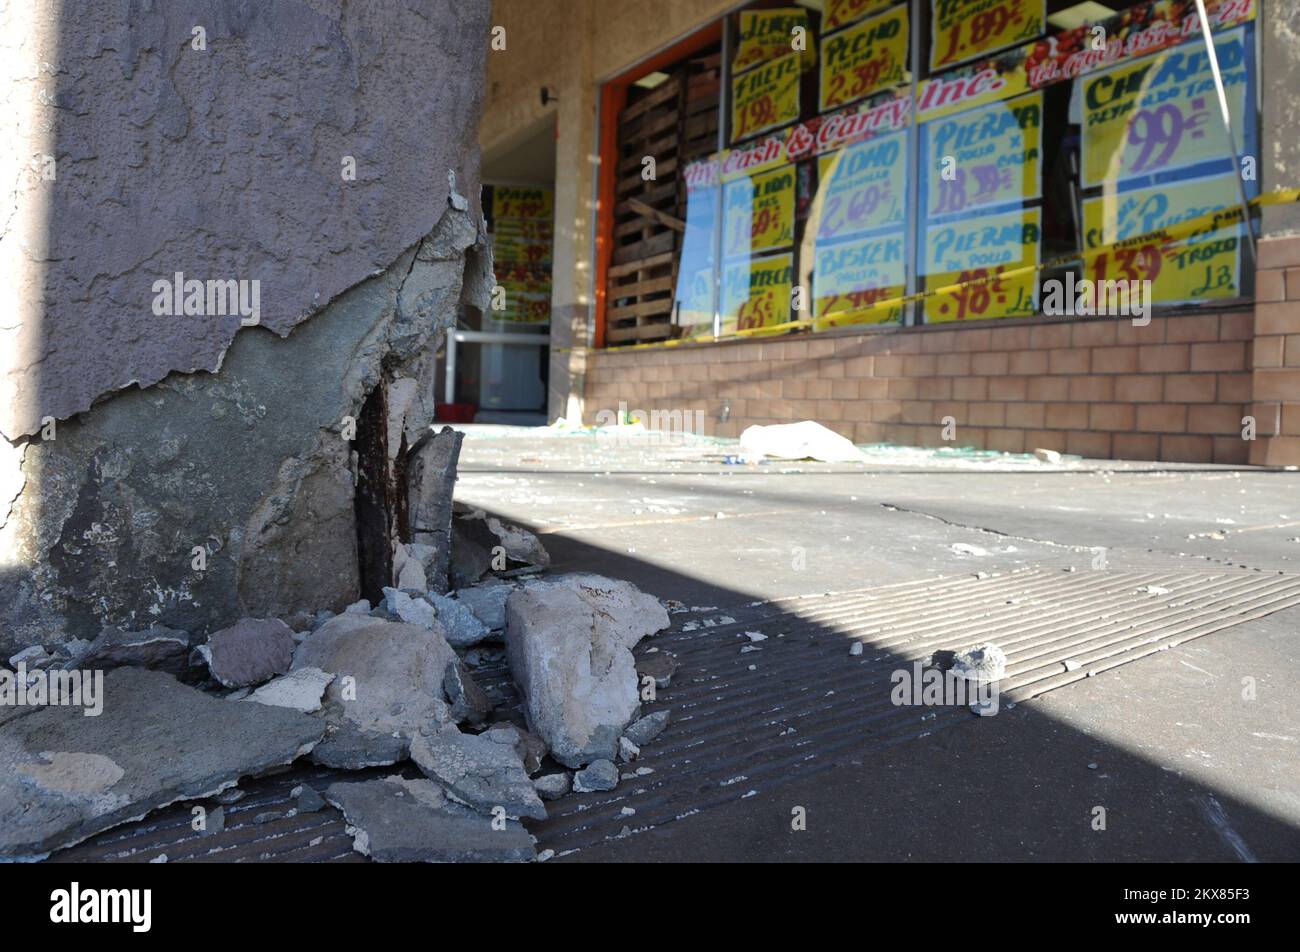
(1201, 224)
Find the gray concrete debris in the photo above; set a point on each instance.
(394, 820)
(347, 748)
(659, 666)
(487, 601)
(597, 776)
(390, 675)
(33, 657)
(520, 544)
(306, 799)
(981, 663)
(413, 611)
(300, 689)
(462, 627)
(430, 476)
(214, 822)
(408, 573)
(646, 729)
(358, 608)
(157, 647)
(471, 550)
(528, 745)
(480, 771)
(568, 642)
(65, 777)
(249, 652)
(468, 701)
(627, 751)
(1047, 456)
(553, 786)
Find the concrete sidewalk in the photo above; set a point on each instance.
(1190, 751)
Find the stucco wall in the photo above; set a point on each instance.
(218, 163)
(199, 471)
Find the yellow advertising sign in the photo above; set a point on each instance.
(965, 29)
(982, 247)
(1161, 112)
(1205, 266)
(509, 201)
(984, 157)
(843, 12)
(765, 97)
(1137, 31)
(862, 187)
(767, 35)
(760, 212)
(863, 59)
(756, 292)
(851, 276)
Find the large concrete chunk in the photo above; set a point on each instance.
(569, 641)
(249, 652)
(65, 777)
(389, 675)
(483, 771)
(394, 820)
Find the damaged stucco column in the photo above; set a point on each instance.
(302, 177)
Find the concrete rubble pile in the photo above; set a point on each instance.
(385, 685)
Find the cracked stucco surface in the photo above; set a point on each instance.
(222, 163)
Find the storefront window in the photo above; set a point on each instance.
(939, 161)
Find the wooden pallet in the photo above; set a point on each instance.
(674, 122)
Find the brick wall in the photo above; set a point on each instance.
(1277, 353)
(1175, 390)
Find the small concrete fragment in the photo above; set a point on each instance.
(468, 701)
(478, 770)
(65, 777)
(249, 652)
(394, 820)
(982, 663)
(347, 748)
(461, 626)
(553, 786)
(300, 689)
(646, 729)
(568, 642)
(598, 776)
(659, 666)
(488, 602)
(411, 611)
(1047, 456)
(520, 544)
(471, 550)
(529, 746)
(306, 799)
(627, 751)
(157, 647)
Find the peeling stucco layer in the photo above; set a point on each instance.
(224, 163)
(250, 465)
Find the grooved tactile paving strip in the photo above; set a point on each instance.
(807, 704)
